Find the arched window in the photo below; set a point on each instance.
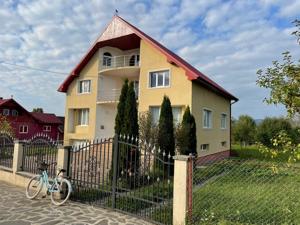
(134, 60)
(107, 59)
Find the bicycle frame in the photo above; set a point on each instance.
(45, 180)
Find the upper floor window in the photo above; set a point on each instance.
(107, 57)
(5, 112)
(207, 118)
(84, 86)
(223, 121)
(47, 128)
(23, 129)
(134, 60)
(83, 117)
(159, 79)
(14, 112)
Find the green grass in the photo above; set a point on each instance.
(247, 192)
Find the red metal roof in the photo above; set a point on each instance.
(46, 118)
(3, 101)
(191, 72)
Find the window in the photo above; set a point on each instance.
(207, 118)
(47, 128)
(223, 143)
(84, 86)
(204, 147)
(106, 59)
(136, 88)
(155, 111)
(5, 112)
(23, 129)
(176, 115)
(159, 79)
(14, 112)
(83, 117)
(223, 121)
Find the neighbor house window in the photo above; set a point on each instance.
(204, 147)
(47, 128)
(23, 129)
(207, 118)
(5, 112)
(155, 111)
(224, 143)
(84, 86)
(223, 121)
(14, 112)
(176, 115)
(159, 79)
(106, 59)
(83, 117)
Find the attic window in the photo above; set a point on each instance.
(107, 57)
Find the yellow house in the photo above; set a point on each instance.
(123, 51)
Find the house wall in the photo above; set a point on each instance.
(81, 101)
(180, 89)
(204, 98)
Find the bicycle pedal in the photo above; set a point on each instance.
(44, 196)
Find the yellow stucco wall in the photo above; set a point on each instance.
(180, 89)
(81, 101)
(204, 98)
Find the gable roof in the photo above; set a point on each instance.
(46, 118)
(122, 28)
(3, 101)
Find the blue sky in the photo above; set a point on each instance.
(227, 40)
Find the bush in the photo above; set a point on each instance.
(244, 130)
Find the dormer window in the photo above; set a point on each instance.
(106, 59)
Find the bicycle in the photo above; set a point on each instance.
(59, 188)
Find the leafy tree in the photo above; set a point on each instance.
(39, 110)
(148, 131)
(121, 108)
(166, 140)
(5, 126)
(244, 130)
(186, 140)
(283, 80)
(271, 127)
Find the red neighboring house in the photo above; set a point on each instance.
(28, 124)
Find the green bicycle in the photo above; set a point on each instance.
(59, 188)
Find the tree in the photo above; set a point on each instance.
(244, 130)
(39, 110)
(148, 131)
(130, 122)
(166, 140)
(5, 126)
(121, 108)
(271, 127)
(283, 80)
(186, 140)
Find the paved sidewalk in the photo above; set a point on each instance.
(16, 209)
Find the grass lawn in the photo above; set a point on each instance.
(246, 192)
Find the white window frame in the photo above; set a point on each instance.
(225, 122)
(204, 149)
(47, 128)
(81, 117)
(180, 116)
(22, 130)
(164, 80)
(155, 106)
(79, 85)
(5, 112)
(14, 112)
(210, 121)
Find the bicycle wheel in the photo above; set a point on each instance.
(60, 191)
(34, 187)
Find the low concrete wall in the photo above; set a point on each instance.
(20, 179)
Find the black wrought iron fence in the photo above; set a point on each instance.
(37, 151)
(124, 174)
(245, 191)
(6, 150)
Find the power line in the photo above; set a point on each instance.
(32, 68)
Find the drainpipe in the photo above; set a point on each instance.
(231, 103)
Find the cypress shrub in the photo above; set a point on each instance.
(121, 108)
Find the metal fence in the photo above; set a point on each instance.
(37, 151)
(245, 191)
(124, 174)
(6, 154)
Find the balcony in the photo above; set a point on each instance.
(123, 65)
(112, 96)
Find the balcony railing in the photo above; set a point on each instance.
(112, 95)
(109, 62)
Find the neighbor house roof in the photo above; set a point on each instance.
(46, 118)
(3, 101)
(192, 73)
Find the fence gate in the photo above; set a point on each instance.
(124, 174)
